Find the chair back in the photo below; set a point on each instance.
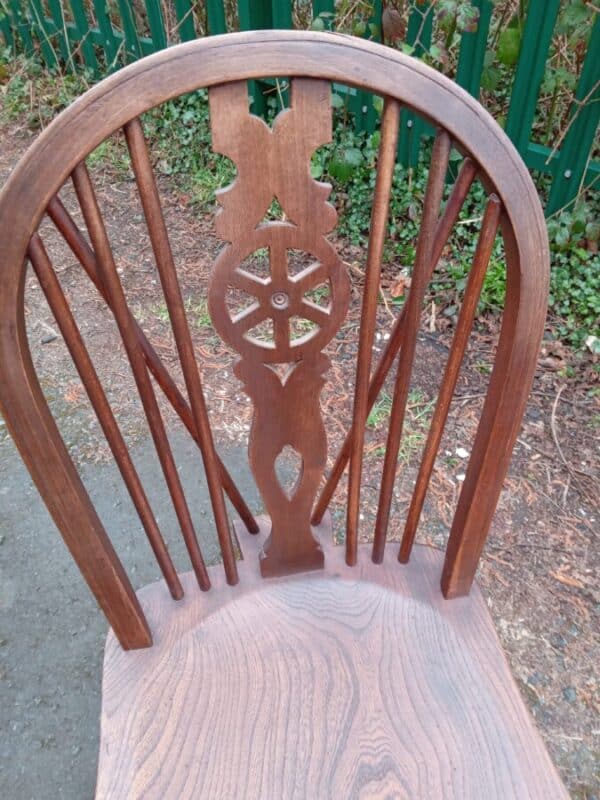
(280, 322)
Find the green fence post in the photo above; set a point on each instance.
(185, 20)
(578, 143)
(43, 32)
(320, 6)
(60, 27)
(360, 103)
(216, 17)
(21, 25)
(281, 16)
(6, 30)
(472, 50)
(255, 15)
(111, 44)
(132, 43)
(420, 25)
(535, 44)
(156, 24)
(83, 34)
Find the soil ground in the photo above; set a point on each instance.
(538, 573)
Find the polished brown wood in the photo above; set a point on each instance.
(216, 61)
(379, 218)
(489, 229)
(453, 207)
(419, 280)
(352, 682)
(84, 253)
(287, 411)
(81, 358)
(159, 239)
(118, 303)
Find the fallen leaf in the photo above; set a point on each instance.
(399, 286)
(567, 580)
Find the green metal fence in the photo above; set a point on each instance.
(64, 35)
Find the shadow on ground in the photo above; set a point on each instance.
(51, 633)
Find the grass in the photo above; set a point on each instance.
(416, 423)
(197, 312)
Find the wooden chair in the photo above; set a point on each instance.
(302, 670)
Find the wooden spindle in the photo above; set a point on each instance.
(420, 278)
(168, 276)
(489, 228)
(453, 207)
(85, 255)
(379, 218)
(70, 332)
(109, 277)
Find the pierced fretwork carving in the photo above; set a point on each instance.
(278, 319)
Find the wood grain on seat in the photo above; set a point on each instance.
(346, 683)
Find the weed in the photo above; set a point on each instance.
(416, 422)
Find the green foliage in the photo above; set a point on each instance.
(180, 134)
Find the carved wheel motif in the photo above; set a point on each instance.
(279, 297)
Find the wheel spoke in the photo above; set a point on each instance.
(311, 276)
(314, 313)
(281, 325)
(249, 317)
(249, 283)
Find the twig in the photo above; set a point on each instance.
(553, 427)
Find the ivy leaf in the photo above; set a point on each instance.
(490, 78)
(343, 163)
(592, 231)
(318, 24)
(509, 46)
(336, 101)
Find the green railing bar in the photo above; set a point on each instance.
(146, 45)
(255, 15)
(538, 157)
(185, 20)
(281, 14)
(542, 159)
(58, 19)
(21, 26)
(360, 103)
(535, 44)
(43, 32)
(132, 42)
(83, 29)
(110, 43)
(6, 30)
(281, 18)
(321, 6)
(216, 17)
(472, 50)
(156, 24)
(420, 24)
(579, 141)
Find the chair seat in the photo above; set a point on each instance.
(344, 683)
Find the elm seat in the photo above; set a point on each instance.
(301, 671)
(354, 682)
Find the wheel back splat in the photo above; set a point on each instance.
(274, 163)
